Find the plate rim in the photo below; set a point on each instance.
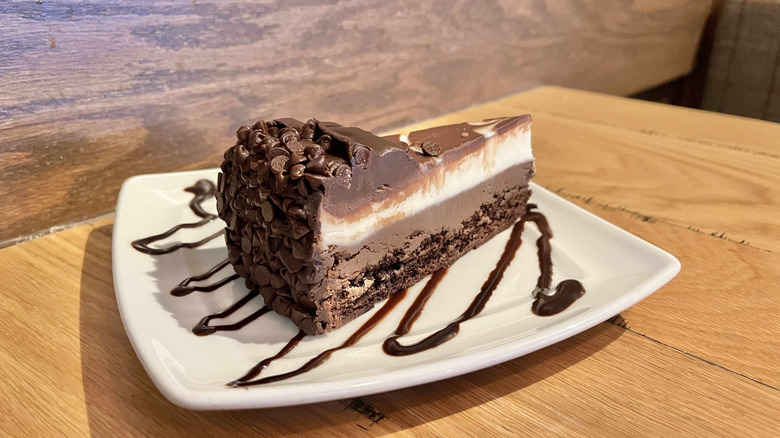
(413, 375)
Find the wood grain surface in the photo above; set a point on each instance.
(95, 92)
(698, 357)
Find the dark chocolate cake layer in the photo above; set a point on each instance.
(327, 220)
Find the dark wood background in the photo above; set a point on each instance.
(94, 92)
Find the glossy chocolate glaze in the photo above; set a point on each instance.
(203, 189)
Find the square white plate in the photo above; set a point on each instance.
(616, 268)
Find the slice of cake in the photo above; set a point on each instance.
(328, 220)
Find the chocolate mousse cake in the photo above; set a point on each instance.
(327, 220)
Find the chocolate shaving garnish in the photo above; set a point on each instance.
(431, 148)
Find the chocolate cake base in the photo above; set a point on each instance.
(406, 266)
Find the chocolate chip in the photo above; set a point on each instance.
(300, 287)
(292, 263)
(280, 182)
(307, 131)
(343, 175)
(295, 147)
(314, 151)
(332, 164)
(220, 202)
(268, 293)
(243, 133)
(324, 141)
(246, 244)
(278, 163)
(298, 314)
(286, 203)
(240, 155)
(296, 212)
(255, 138)
(240, 270)
(296, 172)
(299, 229)
(302, 190)
(268, 211)
(269, 143)
(277, 281)
(301, 249)
(311, 275)
(297, 159)
(284, 292)
(273, 131)
(279, 227)
(360, 155)
(234, 254)
(308, 325)
(315, 182)
(431, 148)
(316, 165)
(282, 306)
(289, 134)
(261, 125)
(262, 275)
(277, 152)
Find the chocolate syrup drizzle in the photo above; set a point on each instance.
(184, 287)
(202, 328)
(547, 301)
(325, 355)
(263, 364)
(203, 189)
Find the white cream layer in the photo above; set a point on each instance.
(444, 181)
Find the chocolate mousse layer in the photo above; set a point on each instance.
(327, 220)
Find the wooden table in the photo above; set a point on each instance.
(698, 357)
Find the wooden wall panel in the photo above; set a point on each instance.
(94, 92)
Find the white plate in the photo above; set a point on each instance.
(616, 268)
